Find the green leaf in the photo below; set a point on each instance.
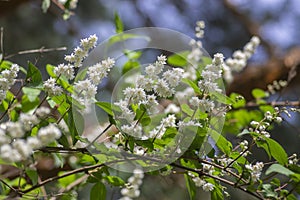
(259, 93)
(187, 110)
(64, 182)
(33, 175)
(98, 192)
(45, 5)
(34, 76)
(192, 84)
(114, 180)
(32, 93)
(190, 185)
(27, 104)
(268, 191)
(222, 98)
(273, 149)
(75, 123)
(222, 143)
(277, 168)
(118, 23)
(125, 36)
(129, 65)
(50, 70)
(132, 55)
(106, 106)
(178, 59)
(238, 100)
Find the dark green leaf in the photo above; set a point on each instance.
(192, 84)
(277, 168)
(107, 107)
(273, 149)
(129, 65)
(34, 76)
(132, 55)
(190, 185)
(33, 175)
(32, 93)
(118, 23)
(259, 93)
(28, 105)
(222, 143)
(98, 192)
(222, 98)
(114, 180)
(126, 36)
(178, 59)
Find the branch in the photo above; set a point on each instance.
(201, 173)
(40, 50)
(253, 105)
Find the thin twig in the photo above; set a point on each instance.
(201, 173)
(40, 50)
(253, 105)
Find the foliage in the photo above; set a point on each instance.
(45, 119)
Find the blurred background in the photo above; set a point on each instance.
(229, 25)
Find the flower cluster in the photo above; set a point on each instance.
(196, 53)
(72, 3)
(199, 182)
(132, 188)
(276, 86)
(68, 70)
(239, 59)
(7, 79)
(255, 170)
(15, 146)
(147, 89)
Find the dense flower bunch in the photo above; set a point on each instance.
(7, 79)
(160, 109)
(14, 147)
(131, 190)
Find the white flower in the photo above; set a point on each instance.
(135, 95)
(42, 112)
(100, 70)
(65, 70)
(198, 181)
(169, 121)
(207, 187)
(162, 89)
(23, 148)
(138, 173)
(51, 88)
(172, 108)
(181, 125)
(9, 154)
(173, 76)
(130, 192)
(90, 42)
(151, 71)
(14, 129)
(134, 130)
(194, 101)
(145, 83)
(4, 139)
(28, 121)
(85, 89)
(34, 142)
(48, 134)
